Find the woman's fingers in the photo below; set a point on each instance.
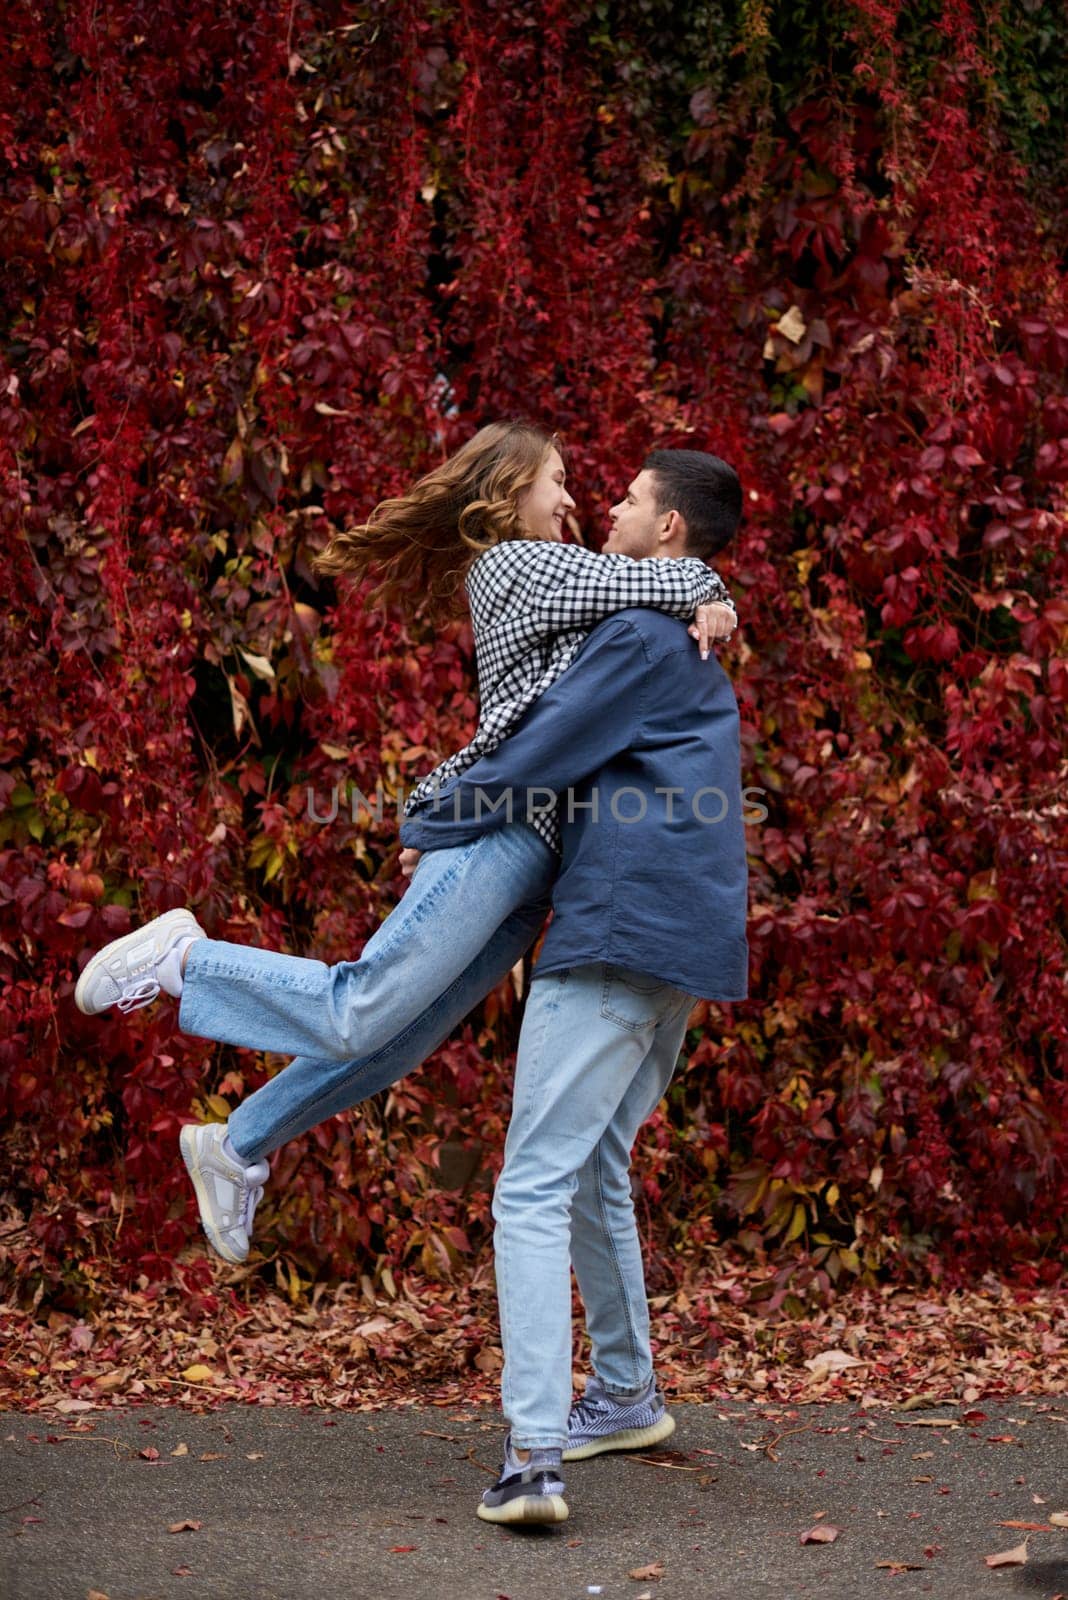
(409, 860)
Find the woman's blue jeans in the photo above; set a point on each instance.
(467, 917)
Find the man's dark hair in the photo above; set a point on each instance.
(703, 490)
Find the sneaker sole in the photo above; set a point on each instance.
(625, 1439)
(169, 919)
(187, 1144)
(526, 1508)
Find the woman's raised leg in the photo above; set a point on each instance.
(454, 904)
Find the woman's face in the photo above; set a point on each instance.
(544, 505)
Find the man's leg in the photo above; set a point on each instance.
(622, 1409)
(456, 901)
(587, 1037)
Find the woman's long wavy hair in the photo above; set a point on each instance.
(420, 545)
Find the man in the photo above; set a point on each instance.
(639, 740)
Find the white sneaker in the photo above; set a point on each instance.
(126, 972)
(227, 1191)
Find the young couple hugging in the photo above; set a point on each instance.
(604, 725)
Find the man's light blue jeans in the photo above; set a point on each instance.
(467, 917)
(596, 1054)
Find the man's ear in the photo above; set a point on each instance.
(674, 528)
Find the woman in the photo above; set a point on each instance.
(493, 513)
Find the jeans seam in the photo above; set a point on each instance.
(621, 1281)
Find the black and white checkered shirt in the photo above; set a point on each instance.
(532, 604)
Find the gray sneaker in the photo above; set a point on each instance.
(526, 1491)
(599, 1422)
(227, 1191)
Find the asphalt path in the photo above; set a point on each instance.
(291, 1504)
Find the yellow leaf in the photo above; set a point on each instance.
(198, 1373)
(233, 462)
(259, 664)
(792, 325)
(797, 1224)
(308, 619)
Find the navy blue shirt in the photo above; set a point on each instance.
(639, 740)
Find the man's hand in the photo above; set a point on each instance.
(409, 860)
(713, 621)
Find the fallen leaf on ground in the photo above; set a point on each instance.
(96, 1594)
(917, 1402)
(402, 1549)
(212, 1455)
(1059, 1519)
(254, 1455)
(895, 1567)
(829, 1361)
(197, 1373)
(1028, 1527)
(1009, 1558)
(150, 1453)
(822, 1533)
(69, 1406)
(655, 1569)
(188, 1526)
(107, 1381)
(180, 1450)
(182, 1572)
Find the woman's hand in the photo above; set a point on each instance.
(713, 621)
(409, 860)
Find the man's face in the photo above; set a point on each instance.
(635, 522)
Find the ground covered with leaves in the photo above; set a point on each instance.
(348, 1346)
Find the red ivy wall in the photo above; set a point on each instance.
(263, 264)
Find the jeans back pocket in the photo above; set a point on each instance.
(635, 1001)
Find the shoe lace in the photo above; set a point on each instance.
(586, 1410)
(137, 993)
(251, 1200)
